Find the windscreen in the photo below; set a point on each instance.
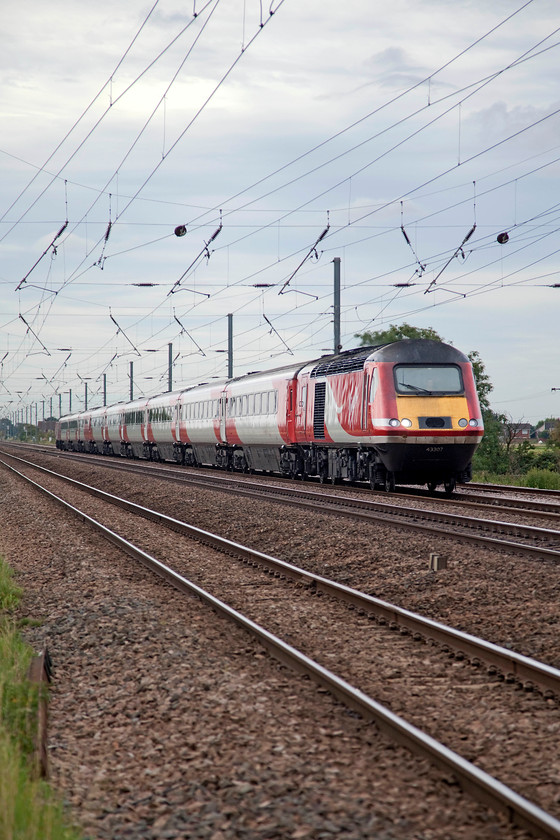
(428, 379)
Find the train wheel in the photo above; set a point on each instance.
(432, 486)
(449, 486)
(390, 482)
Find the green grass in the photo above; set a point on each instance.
(539, 479)
(29, 810)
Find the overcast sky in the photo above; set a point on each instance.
(280, 136)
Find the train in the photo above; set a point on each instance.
(400, 413)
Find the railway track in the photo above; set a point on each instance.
(473, 495)
(525, 540)
(470, 777)
(522, 670)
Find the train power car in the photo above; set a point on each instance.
(400, 413)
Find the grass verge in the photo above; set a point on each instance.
(539, 479)
(29, 810)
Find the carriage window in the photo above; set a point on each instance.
(428, 379)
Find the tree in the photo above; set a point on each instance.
(483, 384)
(554, 438)
(491, 455)
(397, 333)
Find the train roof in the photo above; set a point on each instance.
(329, 363)
(419, 351)
(408, 350)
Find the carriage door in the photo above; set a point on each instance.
(301, 411)
(291, 410)
(223, 411)
(365, 400)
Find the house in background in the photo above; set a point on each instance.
(520, 432)
(543, 430)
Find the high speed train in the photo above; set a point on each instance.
(400, 413)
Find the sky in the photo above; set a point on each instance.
(403, 138)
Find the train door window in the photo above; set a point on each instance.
(365, 395)
(303, 406)
(374, 385)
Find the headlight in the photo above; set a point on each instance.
(406, 423)
(473, 422)
(463, 422)
(393, 422)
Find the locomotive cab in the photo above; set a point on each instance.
(429, 408)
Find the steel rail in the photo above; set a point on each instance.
(527, 506)
(513, 488)
(479, 784)
(514, 666)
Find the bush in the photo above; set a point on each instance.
(546, 459)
